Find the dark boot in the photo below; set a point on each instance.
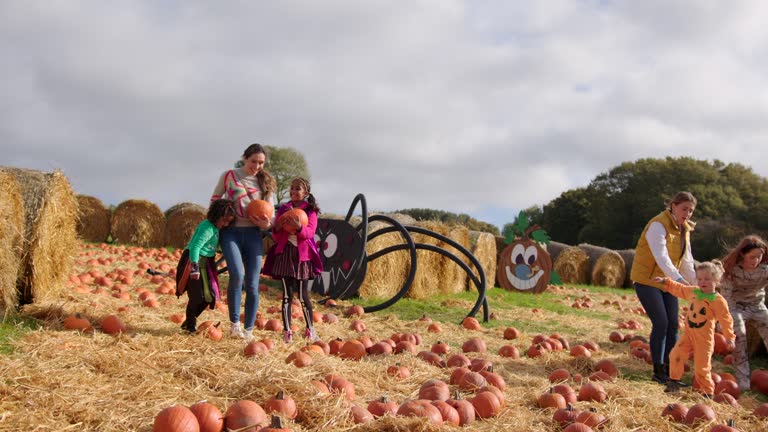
(660, 375)
(673, 386)
(679, 383)
(189, 326)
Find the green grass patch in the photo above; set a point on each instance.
(454, 307)
(12, 328)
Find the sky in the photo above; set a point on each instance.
(477, 107)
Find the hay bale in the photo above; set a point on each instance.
(606, 267)
(180, 223)
(138, 222)
(573, 266)
(386, 274)
(628, 255)
(11, 241)
(483, 246)
(453, 279)
(50, 234)
(92, 219)
(501, 244)
(428, 279)
(554, 248)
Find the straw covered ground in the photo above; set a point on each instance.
(58, 379)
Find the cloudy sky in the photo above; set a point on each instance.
(479, 107)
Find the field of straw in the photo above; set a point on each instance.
(55, 379)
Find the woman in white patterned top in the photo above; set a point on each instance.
(746, 276)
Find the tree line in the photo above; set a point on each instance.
(614, 208)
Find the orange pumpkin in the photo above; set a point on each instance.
(282, 405)
(289, 219)
(260, 209)
(524, 266)
(175, 418)
(208, 416)
(77, 322)
(111, 324)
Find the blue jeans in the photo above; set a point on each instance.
(662, 308)
(243, 249)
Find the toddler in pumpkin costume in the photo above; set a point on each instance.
(706, 307)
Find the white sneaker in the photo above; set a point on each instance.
(248, 335)
(236, 331)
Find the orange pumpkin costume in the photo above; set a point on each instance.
(699, 335)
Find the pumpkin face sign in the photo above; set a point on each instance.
(340, 247)
(524, 266)
(697, 314)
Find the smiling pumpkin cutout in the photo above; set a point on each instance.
(697, 314)
(524, 265)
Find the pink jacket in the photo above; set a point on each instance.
(305, 238)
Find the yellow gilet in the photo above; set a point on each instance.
(644, 267)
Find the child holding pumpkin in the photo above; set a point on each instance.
(746, 276)
(294, 258)
(196, 272)
(706, 307)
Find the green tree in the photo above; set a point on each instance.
(450, 218)
(285, 164)
(566, 215)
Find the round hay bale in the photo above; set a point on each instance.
(138, 222)
(386, 274)
(483, 246)
(453, 278)
(606, 266)
(50, 234)
(180, 223)
(93, 219)
(11, 241)
(609, 270)
(628, 255)
(554, 248)
(573, 266)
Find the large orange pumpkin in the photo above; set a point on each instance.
(176, 418)
(524, 266)
(288, 219)
(260, 208)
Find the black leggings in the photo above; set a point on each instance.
(290, 285)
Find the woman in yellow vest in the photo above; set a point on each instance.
(664, 250)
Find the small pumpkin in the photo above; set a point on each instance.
(551, 399)
(112, 324)
(382, 406)
(175, 418)
(434, 389)
(421, 408)
(447, 412)
(675, 411)
(471, 323)
(352, 350)
(464, 409)
(398, 371)
(245, 415)
(700, 413)
(486, 404)
(359, 414)
(208, 416)
(474, 345)
(282, 405)
(77, 322)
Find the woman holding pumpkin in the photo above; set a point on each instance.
(241, 243)
(746, 276)
(294, 258)
(664, 250)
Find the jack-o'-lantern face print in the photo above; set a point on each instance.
(697, 314)
(340, 247)
(524, 266)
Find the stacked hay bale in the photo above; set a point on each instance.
(11, 241)
(138, 222)
(453, 279)
(572, 265)
(50, 234)
(483, 246)
(93, 219)
(554, 248)
(628, 255)
(427, 282)
(180, 223)
(385, 275)
(606, 266)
